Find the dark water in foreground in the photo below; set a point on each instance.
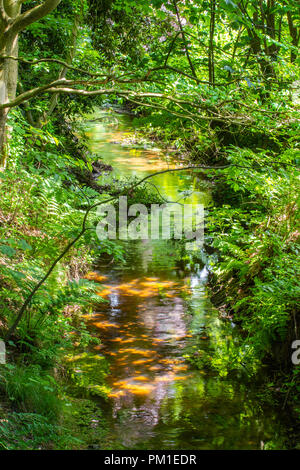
(156, 314)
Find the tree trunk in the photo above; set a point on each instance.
(211, 54)
(295, 35)
(8, 70)
(256, 43)
(12, 22)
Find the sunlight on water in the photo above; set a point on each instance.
(156, 311)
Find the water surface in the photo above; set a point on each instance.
(158, 313)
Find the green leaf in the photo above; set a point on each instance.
(24, 245)
(7, 250)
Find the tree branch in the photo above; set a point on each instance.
(3, 15)
(119, 79)
(55, 61)
(65, 86)
(34, 14)
(64, 70)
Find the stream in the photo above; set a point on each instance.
(158, 314)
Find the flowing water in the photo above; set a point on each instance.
(157, 315)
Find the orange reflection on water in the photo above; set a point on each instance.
(147, 328)
(116, 394)
(182, 377)
(104, 292)
(142, 378)
(142, 352)
(93, 276)
(105, 324)
(165, 378)
(142, 361)
(131, 340)
(139, 389)
(134, 388)
(140, 288)
(180, 368)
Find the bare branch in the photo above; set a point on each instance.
(194, 102)
(27, 95)
(193, 116)
(2, 11)
(171, 47)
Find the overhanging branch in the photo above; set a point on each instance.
(120, 79)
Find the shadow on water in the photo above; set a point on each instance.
(155, 313)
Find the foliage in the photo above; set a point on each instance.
(258, 247)
(31, 431)
(213, 81)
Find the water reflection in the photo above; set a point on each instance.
(154, 314)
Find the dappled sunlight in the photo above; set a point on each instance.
(141, 352)
(180, 368)
(138, 365)
(141, 378)
(156, 317)
(172, 361)
(117, 340)
(151, 323)
(153, 368)
(128, 341)
(164, 378)
(105, 325)
(105, 292)
(136, 389)
(142, 288)
(142, 329)
(142, 361)
(93, 276)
